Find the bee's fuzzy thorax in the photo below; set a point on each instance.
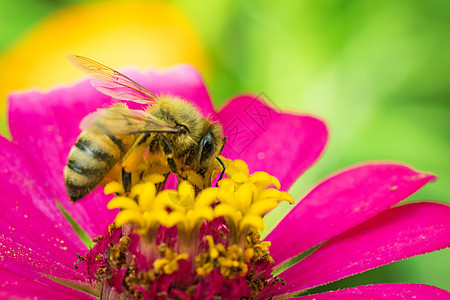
(179, 112)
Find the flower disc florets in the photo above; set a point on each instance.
(179, 243)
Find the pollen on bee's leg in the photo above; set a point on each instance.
(115, 174)
(132, 160)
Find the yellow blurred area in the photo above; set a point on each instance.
(116, 33)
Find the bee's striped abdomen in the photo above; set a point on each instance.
(92, 149)
(89, 161)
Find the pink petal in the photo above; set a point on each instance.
(384, 291)
(340, 202)
(282, 144)
(45, 126)
(16, 287)
(393, 235)
(29, 215)
(28, 262)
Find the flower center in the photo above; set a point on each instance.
(183, 244)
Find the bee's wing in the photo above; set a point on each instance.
(120, 120)
(112, 83)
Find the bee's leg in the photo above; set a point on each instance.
(160, 186)
(167, 148)
(132, 159)
(126, 181)
(223, 170)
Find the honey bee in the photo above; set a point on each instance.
(169, 136)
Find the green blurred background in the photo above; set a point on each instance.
(377, 71)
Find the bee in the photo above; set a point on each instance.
(169, 136)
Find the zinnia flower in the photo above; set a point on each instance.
(188, 246)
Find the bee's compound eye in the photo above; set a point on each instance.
(207, 145)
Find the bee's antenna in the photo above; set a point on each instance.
(224, 140)
(223, 170)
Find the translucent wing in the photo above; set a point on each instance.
(119, 120)
(112, 83)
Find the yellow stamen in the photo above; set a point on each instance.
(264, 180)
(229, 260)
(169, 261)
(123, 203)
(114, 187)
